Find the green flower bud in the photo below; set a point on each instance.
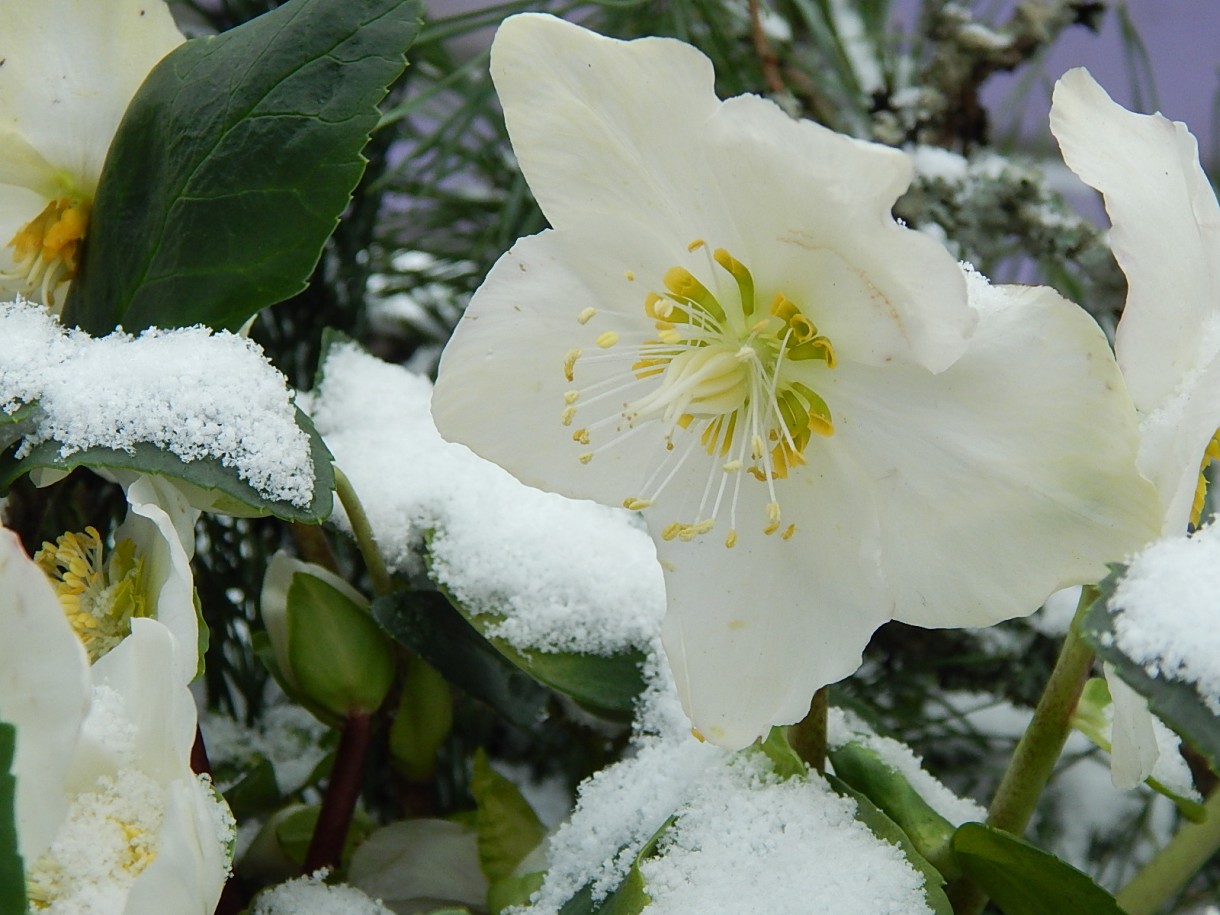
(329, 651)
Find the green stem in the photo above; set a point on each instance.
(808, 736)
(1173, 866)
(363, 532)
(1036, 754)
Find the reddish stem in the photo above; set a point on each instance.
(342, 792)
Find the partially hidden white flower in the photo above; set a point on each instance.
(70, 69)
(822, 427)
(146, 574)
(1166, 237)
(109, 816)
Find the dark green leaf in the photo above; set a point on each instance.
(887, 830)
(216, 487)
(257, 791)
(1024, 880)
(12, 871)
(863, 769)
(425, 622)
(233, 163)
(1175, 702)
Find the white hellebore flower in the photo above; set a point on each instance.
(1166, 237)
(70, 68)
(146, 574)
(110, 818)
(726, 330)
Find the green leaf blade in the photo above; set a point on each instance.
(233, 164)
(1024, 880)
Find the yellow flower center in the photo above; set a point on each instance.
(47, 249)
(99, 598)
(725, 376)
(1210, 455)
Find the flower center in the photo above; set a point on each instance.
(1210, 455)
(46, 250)
(728, 381)
(106, 841)
(99, 598)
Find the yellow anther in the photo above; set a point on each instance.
(670, 336)
(47, 248)
(569, 363)
(783, 307)
(636, 505)
(569, 413)
(586, 457)
(570, 397)
(756, 446)
(694, 732)
(581, 436)
(607, 339)
(630, 276)
(586, 315)
(671, 530)
(788, 532)
(731, 466)
(696, 244)
(731, 540)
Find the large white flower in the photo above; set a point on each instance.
(726, 330)
(70, 69)
(1166, 237)
(109, 815)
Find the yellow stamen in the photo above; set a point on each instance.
(46, 250)
(607, 339)
(586, 315)
(99, 597)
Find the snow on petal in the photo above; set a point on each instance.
(70, 69)
(726, 330)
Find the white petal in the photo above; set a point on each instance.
(161, 523)
(191, 866)
(1133, 746)
(607, 127)
(583, 112)
(1166, 229)
(71, 67)
(44, 691)
(751, 632)
(813, 211)
(501, 385)
(143, 670)
(1005, 466)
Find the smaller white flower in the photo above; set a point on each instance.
(70, 69)
(146, 574)
(110, 818)
(1166, 237)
